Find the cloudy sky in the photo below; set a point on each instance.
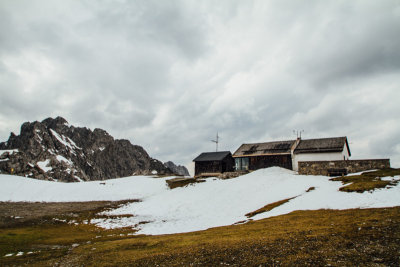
(168, 75)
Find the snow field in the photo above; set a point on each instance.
(16, 188)
(199, 206)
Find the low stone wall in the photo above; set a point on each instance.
(322, 167)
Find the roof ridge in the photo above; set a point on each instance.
(269, 142)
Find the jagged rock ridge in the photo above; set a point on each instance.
(53, 149)
(178, 169)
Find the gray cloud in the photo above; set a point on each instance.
(169, 75)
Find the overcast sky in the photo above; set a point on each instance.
(167, 75)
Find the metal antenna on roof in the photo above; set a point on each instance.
(298, 133)
(216, 141)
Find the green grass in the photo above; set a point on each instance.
(367, 181)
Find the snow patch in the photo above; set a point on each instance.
(395, 178)
(66, 141)
(78, 178)
(40, 138)
(44, 165)
(16, 188)
(10, 151)
(61, 158)
(72, 142)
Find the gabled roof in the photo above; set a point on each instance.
(212, 156)
(320, 145)
(268, 148)
(333, 144)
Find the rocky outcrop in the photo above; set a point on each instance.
(178, 169)
(54, 150)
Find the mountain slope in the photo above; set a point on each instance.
(178, 169)
(53, 149)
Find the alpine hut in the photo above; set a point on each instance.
(213, 163)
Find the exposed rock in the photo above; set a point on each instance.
(178, 169)
(54, 150)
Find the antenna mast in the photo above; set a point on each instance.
(216, 141)
(298, 133)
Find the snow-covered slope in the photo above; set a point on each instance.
(15, 188)
(212, 203)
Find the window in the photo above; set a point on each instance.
(241, 164)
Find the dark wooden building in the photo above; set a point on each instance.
(213, 163)
(263, 155)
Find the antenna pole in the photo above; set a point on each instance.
(216, 141)
(298, 133)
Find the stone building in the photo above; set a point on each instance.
(287, 154)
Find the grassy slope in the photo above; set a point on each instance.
(268, 207)
(322, 237)
(367, 180)
(303, 237)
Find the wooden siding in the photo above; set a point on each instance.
(225, 165)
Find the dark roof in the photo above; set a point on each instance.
(267, 148)
(334, 144)
(212, 156)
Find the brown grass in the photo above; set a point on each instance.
(367, 181)
(301, 238)
(357, 237)
(268, 207)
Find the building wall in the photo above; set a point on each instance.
(260, 162)
(226, 165)
(208, 167)
(352, 166)
(328, 156)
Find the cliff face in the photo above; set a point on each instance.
(178, 169)
(53, 149)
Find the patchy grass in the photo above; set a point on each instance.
(43, 231)
(367, 181)
(182, 182)
(33, 213)
(268, 207)
(322, 237)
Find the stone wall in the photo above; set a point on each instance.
(322, 167)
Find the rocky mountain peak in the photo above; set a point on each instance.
(178, 169)
(54, 123)
(54, 150)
